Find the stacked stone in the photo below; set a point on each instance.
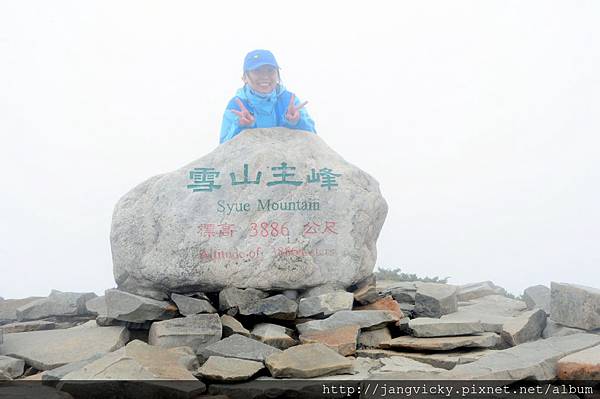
(236, 335)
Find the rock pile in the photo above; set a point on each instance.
(236, 335)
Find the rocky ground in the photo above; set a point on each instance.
(223, 344)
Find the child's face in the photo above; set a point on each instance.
(263, 79)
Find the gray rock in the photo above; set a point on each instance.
(399, 367)
(430, 327)
(35, 325)
(491, 310)
(8, 308)
(219, 368)
(325, 304)
(57, 304)
(554, 329)
(234, 298)
(470, 291)
(366, 290)
(291, 294)
(125, 306)
(196, 331)
(97, 306)
(524, 328)
(188, 306)
(4, 376)
(482, 340)
(274, 335)
(322, 289)
(156, 242)
(435, 300)
(306, 361)
(532, 360)
(401, 291)
(372, 339)
(239, 347)
(51, 377)
(232, 326)
(575, 306)
(445, 360)
(139, 361)
(276, 307)
(49, 349)
(366, 319)
(11, 366)
(537, 296)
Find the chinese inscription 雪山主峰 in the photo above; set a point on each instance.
(204, 179)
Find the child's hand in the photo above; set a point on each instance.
(246, 118)
(293, 112)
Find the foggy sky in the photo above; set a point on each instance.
(478, 119)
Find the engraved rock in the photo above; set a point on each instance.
(272, 209)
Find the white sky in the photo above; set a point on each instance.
(479, 119)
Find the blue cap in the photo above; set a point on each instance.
(257, 58)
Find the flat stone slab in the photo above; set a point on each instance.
(11, 366)
(189, 305)
(49, 349)
(8, 308)
(366, 319)
(218, 368)
(491, 310)
(325, 304)
(532, 360)
(575, 306)
(435, 300)
(274, 335)
(125, 306)
(35, 325)
(340, 339)
(56, 304)
(482, 340)
(239, 347)
(445, 360)
(524, 328)
(430, 327)
(275, 307)
(554, 329)
(582, 365)
(399, 367)
(139, 361)
(470, 291)
(51, 377)
(195, 331)
(305, 361)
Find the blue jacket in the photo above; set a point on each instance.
(268, 110)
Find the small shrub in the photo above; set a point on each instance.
(396, 275)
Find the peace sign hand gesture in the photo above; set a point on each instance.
(293, 112)
(246, 118)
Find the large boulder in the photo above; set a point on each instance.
(272, 209)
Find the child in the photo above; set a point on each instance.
(263, 101)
